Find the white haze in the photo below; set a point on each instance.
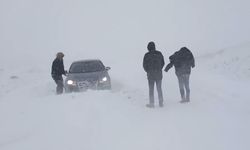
(115, 28)
(32, 117)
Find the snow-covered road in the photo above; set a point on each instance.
(32, 117)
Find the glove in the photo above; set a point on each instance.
(166, 69)
(65, 72)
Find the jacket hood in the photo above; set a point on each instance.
(151, 46)
(59, 55)
(184, 49)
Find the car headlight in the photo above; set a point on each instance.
(104, 79)
(70, 82)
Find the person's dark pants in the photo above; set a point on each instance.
(59, 82)
(184, 86)
(151, 84)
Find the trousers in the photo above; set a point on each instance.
(184, 86)
(151, 84)
(59, 82)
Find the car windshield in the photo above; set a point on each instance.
(88, 66)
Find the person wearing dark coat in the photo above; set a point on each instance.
(153, 62)
(57, 71)
(182, 60)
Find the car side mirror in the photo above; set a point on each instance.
(107, 68)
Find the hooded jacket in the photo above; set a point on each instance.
(182, 60)
(153, 62)
(57, 67)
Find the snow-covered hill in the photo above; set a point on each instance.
(233, 62)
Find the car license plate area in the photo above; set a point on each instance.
(84, 85)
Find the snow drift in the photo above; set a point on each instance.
(231, 62)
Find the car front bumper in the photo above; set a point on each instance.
(83, 86)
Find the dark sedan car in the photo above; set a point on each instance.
(87, 74)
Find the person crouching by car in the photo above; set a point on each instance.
(57, 71)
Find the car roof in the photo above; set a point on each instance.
(87, 60)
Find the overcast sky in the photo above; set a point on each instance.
(43, 27)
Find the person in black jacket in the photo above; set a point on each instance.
(182, 60)
(153, 62)
(57, 71)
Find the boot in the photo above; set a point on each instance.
(185, 101)
(150, 105)
(182, 99)
(161, 104)
(188, 97)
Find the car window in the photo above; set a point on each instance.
(82, 67)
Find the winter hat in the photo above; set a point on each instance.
(151, 46)
(59, 55)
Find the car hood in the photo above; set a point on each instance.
(89, 76)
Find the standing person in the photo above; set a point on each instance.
(182, 60)
(57, 71)
(153, 62)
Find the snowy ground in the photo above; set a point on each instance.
(34, 118)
